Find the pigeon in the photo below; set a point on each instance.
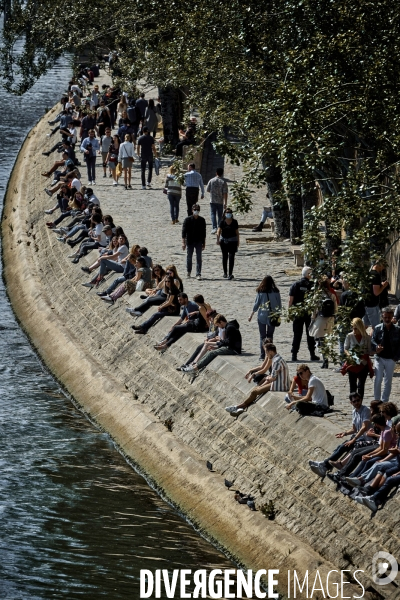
(209, 465)
(238, 495)
(251, 504)
(229, 484)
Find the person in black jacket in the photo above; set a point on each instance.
(194, 238)
(231, 344)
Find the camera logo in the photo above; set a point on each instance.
(381, 562)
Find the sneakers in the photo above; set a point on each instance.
(143, 187)
(319, 469)
(89, 284)
(314, 463)
(148, 185)
(48, 192)
(214, 231)
(57, 230)
(61, 239)
(101, 294)
(198, 277)
(133, 312)
(48, 212)
(107, 299)
(76, 260)
(90, 182)
(64, 230)
(368, 501)
(258, 227)
(85, 269)
(190, 369)
(353, 481)
(234, 410)
(188, 274)
(74, 255)
(93, 183)
(115, 182)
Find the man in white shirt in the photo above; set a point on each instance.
(316, 398)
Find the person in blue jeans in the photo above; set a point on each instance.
(169, 308)
(218, 189)
(385, 342)
(194, 238)
(111, 262)
(373, 502)
(267, 302)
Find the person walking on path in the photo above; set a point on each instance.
(297, 293)
(376, 287)
(112, 158)
(106, 141)
(146, 149)
(90, 146)
(268, 301)
(194, 238)
(324, 318)
(193, 181)
(357, 346)
(125, 157)
(150, 118)
(228, 240)
(385, 343)
(174, 193)
(218, 189)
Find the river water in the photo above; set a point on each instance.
(76, 521)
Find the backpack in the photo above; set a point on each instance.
(327, 308)
(330, 398)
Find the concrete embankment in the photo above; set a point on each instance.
(130, 391)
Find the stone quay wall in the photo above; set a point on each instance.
(130, 391)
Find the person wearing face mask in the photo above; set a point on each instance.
(228, 240)
(194, 238)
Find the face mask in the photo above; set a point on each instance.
(195, 212)
(228, 215)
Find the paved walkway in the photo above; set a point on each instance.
(145, 217)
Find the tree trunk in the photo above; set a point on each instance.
(280, 214)
(171, 111)
(309, 199)
(296, 218)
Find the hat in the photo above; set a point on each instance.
(306, 271)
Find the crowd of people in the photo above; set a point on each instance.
(86, 122)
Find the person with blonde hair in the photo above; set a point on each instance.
(357, 348)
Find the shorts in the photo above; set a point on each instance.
(112, 165)
(104, 156)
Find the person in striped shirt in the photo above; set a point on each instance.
(277, 381)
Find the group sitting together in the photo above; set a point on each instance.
(369, 461)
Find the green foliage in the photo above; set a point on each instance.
(307, 88)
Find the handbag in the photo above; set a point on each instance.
(131, 159)
(113, 158)
(165, 190)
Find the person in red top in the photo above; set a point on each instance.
(302, 387)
